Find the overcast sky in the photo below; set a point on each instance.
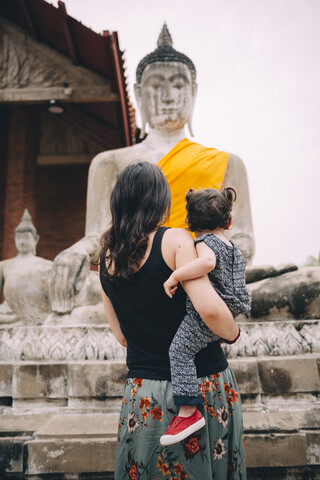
(258, 66)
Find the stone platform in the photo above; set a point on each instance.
(61, 389)
(59, 420)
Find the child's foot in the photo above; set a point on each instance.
(181, 427)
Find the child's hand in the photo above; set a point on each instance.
(170, 286)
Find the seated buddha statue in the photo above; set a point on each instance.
(165, 91)
(24, 278)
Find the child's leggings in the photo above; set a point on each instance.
(192, 336)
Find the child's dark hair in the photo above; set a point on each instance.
(209, 209)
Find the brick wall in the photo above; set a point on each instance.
(60, 197)
(55, 196)
(20, 168)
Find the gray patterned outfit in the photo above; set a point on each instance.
(228, 279)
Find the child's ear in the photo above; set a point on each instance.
(229, 223)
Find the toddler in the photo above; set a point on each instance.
(208, 216)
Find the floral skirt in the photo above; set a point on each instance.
(214, 452)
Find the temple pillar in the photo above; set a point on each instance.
(4, 132)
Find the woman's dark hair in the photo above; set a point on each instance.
(209, 209)
(140, 202)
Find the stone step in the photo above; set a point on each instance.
(79, 426)
(99, 383)
(283, 450)
(14, 425)
(72, 455)
(86, 443)
(282, 421)
(75, 455)
(85, 425)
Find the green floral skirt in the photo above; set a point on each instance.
(214, 452)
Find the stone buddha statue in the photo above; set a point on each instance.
(165, 91)
(24, 278)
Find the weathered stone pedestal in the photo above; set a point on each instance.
(61, 388)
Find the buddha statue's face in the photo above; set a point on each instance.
(25, 242)
(166, 95)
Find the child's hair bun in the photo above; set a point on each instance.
(189, 194)
(230, 194)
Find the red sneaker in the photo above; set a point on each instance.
(181, 427)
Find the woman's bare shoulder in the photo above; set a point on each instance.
(179, 235)
(177, 245)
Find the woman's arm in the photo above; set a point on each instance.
(113, 320)
(198, 267)
(212, 309)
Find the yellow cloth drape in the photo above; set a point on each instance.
(190, 165)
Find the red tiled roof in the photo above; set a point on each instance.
(112, 122)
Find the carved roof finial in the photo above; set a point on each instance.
(26, 224)
(164, 37)
(26, 217)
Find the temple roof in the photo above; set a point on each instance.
(109, 120)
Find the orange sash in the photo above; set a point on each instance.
(190, 165)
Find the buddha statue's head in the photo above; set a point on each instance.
(165, 87)
(25, 235)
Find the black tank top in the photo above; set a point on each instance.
(149, 319)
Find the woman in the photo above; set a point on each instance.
(137, 257)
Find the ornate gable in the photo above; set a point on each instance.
(32, 71)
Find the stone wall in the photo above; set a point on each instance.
(274, 382)
(96, 342)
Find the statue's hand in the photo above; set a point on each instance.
(260, 272)
(70, 269)
(245, 244)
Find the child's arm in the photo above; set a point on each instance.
(198, 267)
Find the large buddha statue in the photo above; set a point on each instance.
(165, 92)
